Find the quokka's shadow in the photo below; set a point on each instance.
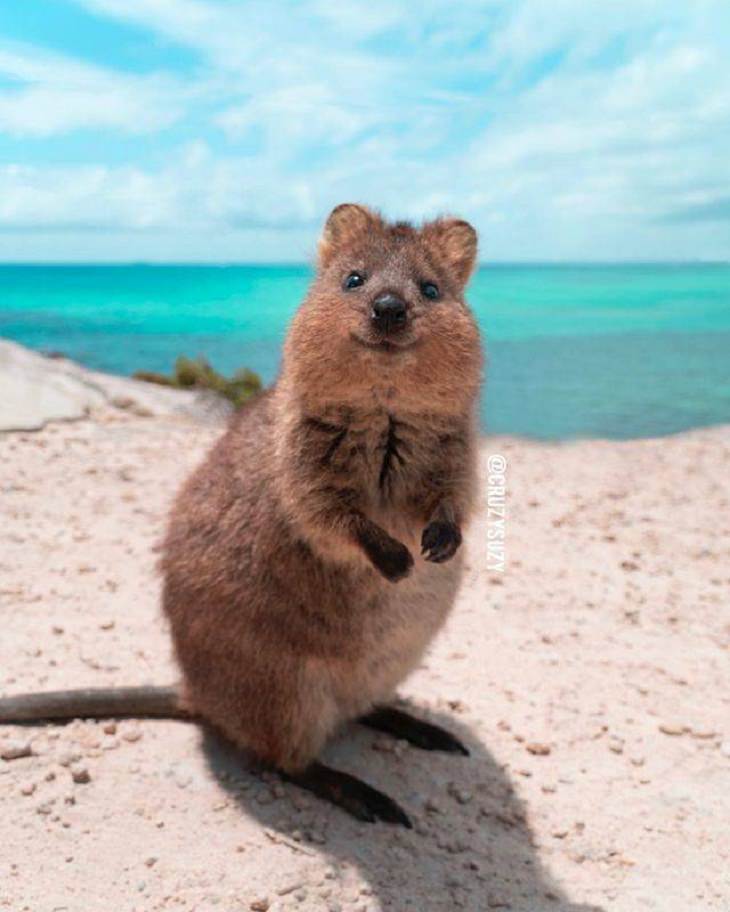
(471, 847)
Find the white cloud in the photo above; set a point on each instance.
(56, 94)
(195, 191)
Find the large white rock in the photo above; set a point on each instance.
(35, 390)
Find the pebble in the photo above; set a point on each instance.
(284, 891)
(151, 861)
(109, 728)
(386, 745)
(616, 745)
(538, 748)
(461, 795)
(80, 774)
(14, 750)
(672, 728)
(132, 734)
(260, 905)
(27, 788)
(68, 758)
(106, 625)
(703, 734)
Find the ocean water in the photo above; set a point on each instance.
(617, 351)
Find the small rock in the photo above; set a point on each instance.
(122, 402)
(151, 861)
(672, 728)
(559, 833)
(538, 748)
(703, 734)
(461, 795)
(109, 728)
(28, 788)
(386, 745)
(616, 745)
(80, 774)
(15, 750)
(68, 758)
(106, 625)
(284, 891)
(132, 734)
(260, 905)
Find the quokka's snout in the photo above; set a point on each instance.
(388, 313)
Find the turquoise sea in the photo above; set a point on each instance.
(614, 351)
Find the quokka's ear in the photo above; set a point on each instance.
(455, 242)
(346, 223)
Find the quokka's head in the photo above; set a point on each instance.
(388, 301)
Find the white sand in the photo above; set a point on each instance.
(609, 628)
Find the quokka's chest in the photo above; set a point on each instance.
(386, 456)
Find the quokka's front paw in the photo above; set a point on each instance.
(440, 541)
(391, 558)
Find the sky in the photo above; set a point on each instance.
(220, 131)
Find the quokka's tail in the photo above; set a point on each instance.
(95, 703)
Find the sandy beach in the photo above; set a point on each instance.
(590, 680)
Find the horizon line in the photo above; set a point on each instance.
(308, 264)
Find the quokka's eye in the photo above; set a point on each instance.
(354, 280)
(429, 290)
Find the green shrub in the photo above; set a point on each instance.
(197, 373)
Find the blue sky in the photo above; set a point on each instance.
(217, 130)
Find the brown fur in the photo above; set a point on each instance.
(282, 624)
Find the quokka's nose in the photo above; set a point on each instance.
(388, 312)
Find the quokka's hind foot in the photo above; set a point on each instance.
(416, 732)
(360, 800)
